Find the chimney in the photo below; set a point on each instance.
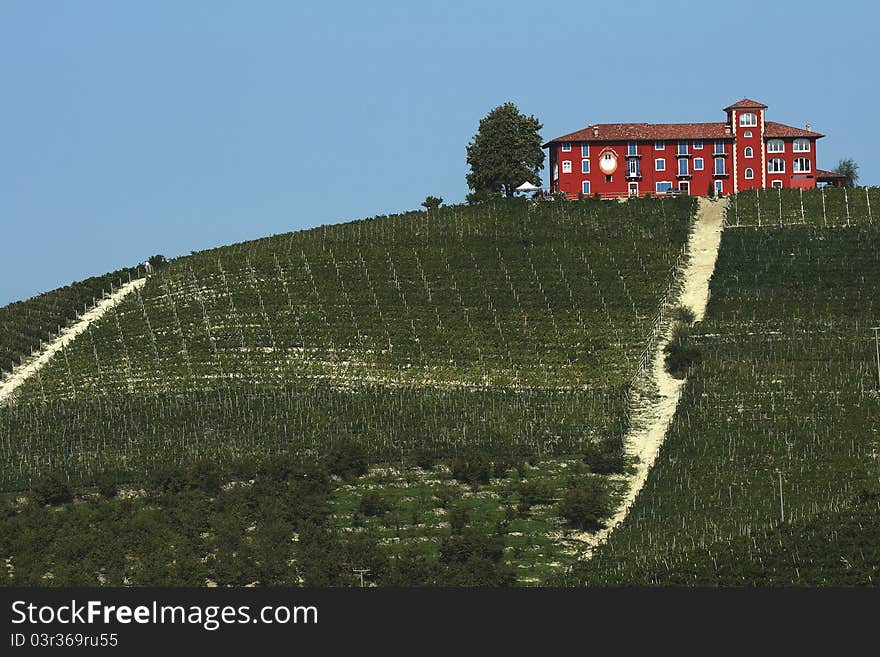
(809, 128)
(727, 129)
(595, 131)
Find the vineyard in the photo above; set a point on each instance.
(769, 472)
(26, 325)
(826, 206)
(512, 327)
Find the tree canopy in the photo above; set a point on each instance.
(847, 167)
(505, 152)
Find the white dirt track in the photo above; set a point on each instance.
(23, 373)
(652, 414)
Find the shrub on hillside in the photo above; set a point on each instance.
(445, 495)
(374, 503)
(684, 315)
(424, 458)
(680, 353)
(51, 488)
(411, 567)
(472, 467)
(473, 558)
(502, 465)
(534, 492)
(585, 503)
(605, 458)
(167, 478)
(108, 485)
(205, 476)
(458, 519)
(347, 459)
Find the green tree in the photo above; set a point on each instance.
(850, 170)
(505, 152)
(472, 467)
(52, 488)
(157, 261)
(347, 459)
(585, 504)
(432, 202)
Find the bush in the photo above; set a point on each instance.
(374, 503)
(167, 478)
(473, 558)
(108, 485)
(424, 458)
(585, 504)
(458, 519)
(205, 476)
(680, 353)
(604, 458)
(534, 492)
(684, 315)
(244, 469)
(445, 495)
(412, 568)
(279, 468)
(501, 466)
(473, 467)
(347, 459)
(51, 488)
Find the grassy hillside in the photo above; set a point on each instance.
(787, 384)
(511, 327)
(25, 325)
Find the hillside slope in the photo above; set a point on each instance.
(510, 326)
(26, 325)
(785, 398)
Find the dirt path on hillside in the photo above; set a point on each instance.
(657, 397)
(23, 373)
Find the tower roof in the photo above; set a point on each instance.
(745, 103)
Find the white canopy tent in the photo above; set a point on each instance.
(528, 187)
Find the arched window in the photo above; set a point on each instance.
(748, 119)
(801, 165)
(749, 152)
(750, 173)
(801, 146)
(776, 165)
(775, 146)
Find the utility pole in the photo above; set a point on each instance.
(361, 571)
(781, 501)
(876, 330)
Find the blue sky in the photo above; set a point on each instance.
(128, 129)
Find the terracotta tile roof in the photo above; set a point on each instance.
(821, 173)
(671, 132)
(746, 103)
(646, 132)
(773, 129)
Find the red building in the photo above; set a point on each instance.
(635, 159)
